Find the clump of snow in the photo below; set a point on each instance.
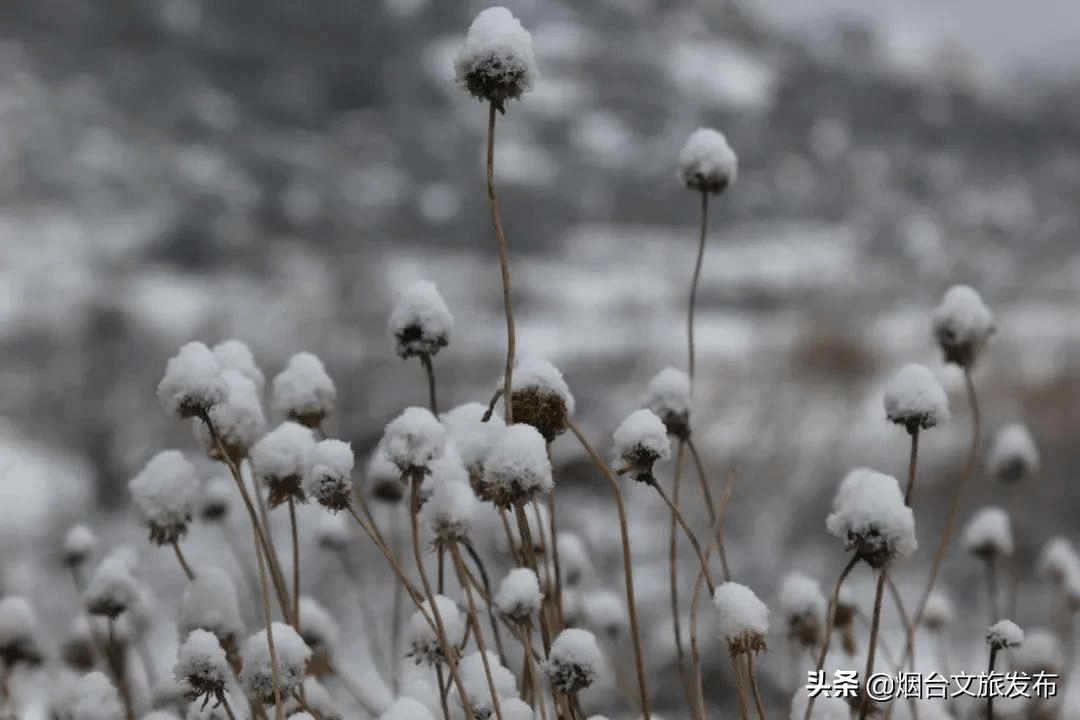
(80, 543)
(238, 419)
(235, 355)
(472, 436)
(329, 480)
(514, 708)
(939, 611)
(420, 323)
(988, 533)
(707, 163)
(89, 697)
(640, 440)
(216, 499)
(825, 707)
(604, 610)
(574, 562)
(112, 588)
(407, 708)
(669, 397)
(332, 532)
(496, 63)
(282, 460)
(201, 665)
(18, 632)
(449, 509)
(474, 678)
(317, 626)
(422, 637)
(574, 660)
(1005, 634)
(743, 618)
(210, 603)
(1058, 561)
(805, 606)
(915, 399)
(518, 470)
(303, 392)
(256, 675)
(870, 515)
(962, 325)
(1013, 455)
(382, 477)
(519, 595)
(166, 493)
(413, 439)
(541, 397)
(192, 383)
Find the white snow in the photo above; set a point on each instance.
(988, 532)
(532, 372)
(707, 162)
(303, 391)
(574, 562)
(201, 663)
(89, 697)
(332, 532)
(413, 439)
(1005, 634)
(420, 323)
(1058, 561)
(574, 660)
(192, 381)
(740, 611)
(518, 469)
(450, 508)
(18, 624)
(80, 543)
(669, 395)
(474, 678)
(497, 54)
(472, 438)
(239, 418)
(166, 492)
(330, 477)
(825, 708)
(217, 498)
(604, 610)
(801, 596)
(421, 636)
(317, 626)
(962, 319)
(514, 708)
(868, 505)
(283, 453)
(915, 396)
(519, 595)
(1041, 650)
(210, 603)
(642, 435)
(256, 674)
(1013, 454)
(111, 589)
(939, 610)
(407, 708)
(235, 355)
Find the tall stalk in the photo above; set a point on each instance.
(875, 627)
(504, 267)
(830, 620)
(694, 283)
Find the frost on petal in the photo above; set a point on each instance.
(329, 480)
(303, 392)
(282, 459)
(804, 605)
(574, 661)
(1005, 634)
(192, 383)
(496, 62)
(541, 397)
(413, 439)
(988, 534)
(915, 399)
(420, 324)
(18, 632)
(962, 325)
(256, 675)
(870, 515)
(210, 603)
(519, 595)
(239, 419)
(707, 163)
(233, 354)
(518, 470)
(640, 440)
(669, 397)
(1013, 455)
(743, 618)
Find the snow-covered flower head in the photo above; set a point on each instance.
(604, 611)
(669, 397)
(166, 494)
(962, 325)
(519, 595)
(473, 437)
(915, 399)
(1005, 634)
(1041, 651)
(474, 678)
(422, 638)
(78, 649)
(282, 460)
(192, 383)
(317, 626)
(303, 392)
(112, 588)
(202, 667)
(518, 470)
(574, 661)
(450, 508)
(216, 498)
(743, 618)
(210, 603)
(256, 675)
(239, 419)
(804, 607)
(89, 697)
(382, 479)
(640, 441)
(18, 632)
(1058, 562)
(496, 63)
(870, 515)
(235, 355)
(332, 532)
(420, 324)
(413, 440)
(329, 480)
(574, 561)
(80, 543)
(988, 534)
(407, 708)
(541, 397)
(707, 163)
(1013, 455)
(939, 611)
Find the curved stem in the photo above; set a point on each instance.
(875, 627)
(486, 581)
(689, 534)
(504, 267)
(459, 565)
(429, 368)
(911, 467)
(830, 621)
(279, 708)
(228, 708)
(905, 619)
(182, 560)
(694, 282)
(707, 494)
(673, 572)
(754, 687)
(556, 568)
(396, 619)
(296, 564)
(414, 594)
(529, 551)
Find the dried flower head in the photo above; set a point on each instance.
(420, 324)
(640, 441)
(519, 595)
(330, 479)
(939, 611)
(870, 515)
(915, 399)
(282, 460)
(192, 383)
(201, 666)
(962, 325)
(474, 676)
(1005, 634)
(804, 607)
(18, 632)
(449, 509)
(743, 618)
(210, 603)
(216, 499)
(1013, 455)
(382, 479)
(707, 163)
(473, 437)
(413, 440)
(574, 661)
(496, 62)
(78, 648)
(541, 397)
(669, 397)
(303, 392)
(518, 470)
(988, 534)
(112, 588)
(422, 638)
(80, 542)
(233, 354)
(256, 675)
(238, 420)
(166, 493)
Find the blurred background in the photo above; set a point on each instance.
(277, 170)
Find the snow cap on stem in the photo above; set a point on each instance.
(988, 534)
(804, 606)
(870, 515)
(210, 603)
(112, 588)
(707, 163)
(1058, 562)
(518, 470)
(192, 383)
(89, 697)
(256, 675)
(519, 595)
(332, 532)
(318, 627)
(238, 419)
(303, 392)
(915, 399)
(329, 480)
(450, 508)
(1005, 634)
(669, 397)
(474, 678)
(235, 355)
(423, 639)
(541, 397)
(939, 611)
(574, 661)
(473, 438)
(574, 561)
(166, 493)
(420, 324)
(201, 666)
(962, 325)
(1013, 455)
(216, 498)
(413, 440)
(282, 460)
(743, 618)
(80, 542)
(382, 479)
(496, 63)
(18, 632)
(640, 441)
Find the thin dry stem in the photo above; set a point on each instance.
(459, 565)
(694, 282)
(429, 369)
(228, 708)
(116, 659)
(182, 560)
(279, 708)
(830, 619)
(910, 494)
(990, 695)
(504, 267)
(992, 588)
(689, 535)
(740, 688)
(486, 581)
(396, 619)
(556, 567)
(295, 564)
(699, 467)
(875, 627)
(530, 557)
(750, 673)
(673, 572)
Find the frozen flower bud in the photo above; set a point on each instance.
(18, 632)
(574, 661)
(382, 478)
(669, 398)
(330, 478)
(988, 534)
(422, 637)
(1041, 652)
(210, 603)
(332, 532)
(202, 667)
(541, 397)
(707, 163)
(518, 470)
(407, 708)
(939, 611)
(256, 675)
(282, 459)
(80, 542)
(192, 383)
(825, 707)
(962, 325)
(89, 697)
(112, 588)
(640, 441)
(217, 497)
(1013, 455)
(915, 399)
(1058, 562)
(303, 392)
(1005, 634)
(166, 494)
(238, 420)
(519, 595)
(473, 438)
(449, 510)
(233, 354)
(870, 515)
(743, 618)
(496, 62)
(804, 607)
(412, 440)
(318, 627)
(420, 324)
(474, 678)
(573, 557)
